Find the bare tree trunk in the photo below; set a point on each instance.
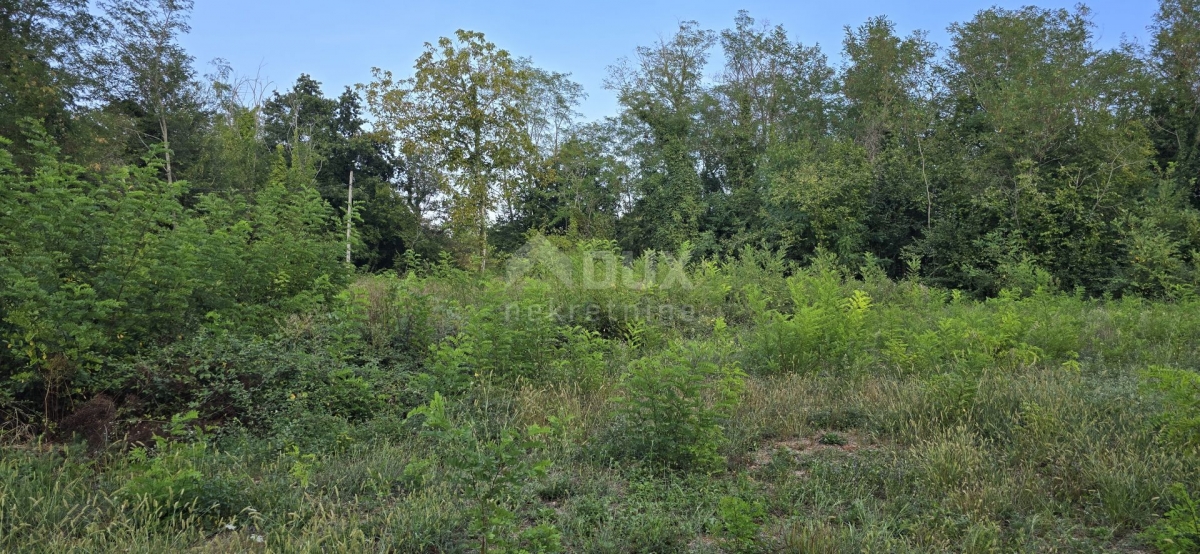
(349, 214)
(162, 125)
(483, 239)
(928, 190)
(162, 39)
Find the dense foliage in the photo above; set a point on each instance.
(443, 412)
(926, 298)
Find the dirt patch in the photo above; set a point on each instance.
(805, 446)
(94, 420)
(703, 543)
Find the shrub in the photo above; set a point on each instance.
(168, 482)
(345, 393)
(520, 341)
(96, 266)
(826, 330)
(1181, 417)
(222, 376)
(832, 439)
(491, 474)
(1179, 530)
(739, 522)
(385, 318)
(256, 381)
(674, 405)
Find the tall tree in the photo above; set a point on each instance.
(234, 158)
(152, 78)
(1046, 133)
(772, 91)
(303, 119)
(551, 102)
(1176, 99)
(890, 95)
(43, 46)
(662, 91)
(464, 108)
(577, 194)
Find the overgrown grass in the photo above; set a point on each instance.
(752, 408)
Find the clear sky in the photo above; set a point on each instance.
(338, 42)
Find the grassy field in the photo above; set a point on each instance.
(739, 407)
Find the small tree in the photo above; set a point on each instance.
(674, 405)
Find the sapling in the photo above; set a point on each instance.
(490, 474)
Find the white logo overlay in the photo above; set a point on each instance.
(597, 269)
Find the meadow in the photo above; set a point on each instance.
(750, 405)
(871, 295)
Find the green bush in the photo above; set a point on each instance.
(1179, 530)
(827, 330)
(1181, 414)
(520, 339)
(167, 481)
(739, 522)
(673, 407)
(97, 266)
(385, 318)
(345, 393)
(224, 377)
(490, 474)
(259, 381)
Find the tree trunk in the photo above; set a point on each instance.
(928, 190)
(162, 125)
(349, 214)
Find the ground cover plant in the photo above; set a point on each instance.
(922, 421)
(924, 298)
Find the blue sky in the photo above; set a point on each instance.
(338, 42)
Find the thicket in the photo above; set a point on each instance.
(412, 414)
(930, 299)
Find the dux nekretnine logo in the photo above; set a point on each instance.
(598, 269)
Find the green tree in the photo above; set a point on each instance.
(96, 265)
(151, 80)
(233, 157)
(334, 129)
(772, 91)
(662, 91)
(1044, 133)
(44, 45)
(550, 106)
(463, 110)
(1175, 104)
(818, 196)
(577, 193)
(536, 201)
(890, 96)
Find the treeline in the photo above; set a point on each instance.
(142, 200)
(1019, 154)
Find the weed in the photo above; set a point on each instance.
(1179, 530)
(674, 406)
(832, 439)
(490, 473)
(739, 522)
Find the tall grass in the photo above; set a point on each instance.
(785, 409)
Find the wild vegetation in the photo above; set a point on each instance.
(929, 299)
(786, 409)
